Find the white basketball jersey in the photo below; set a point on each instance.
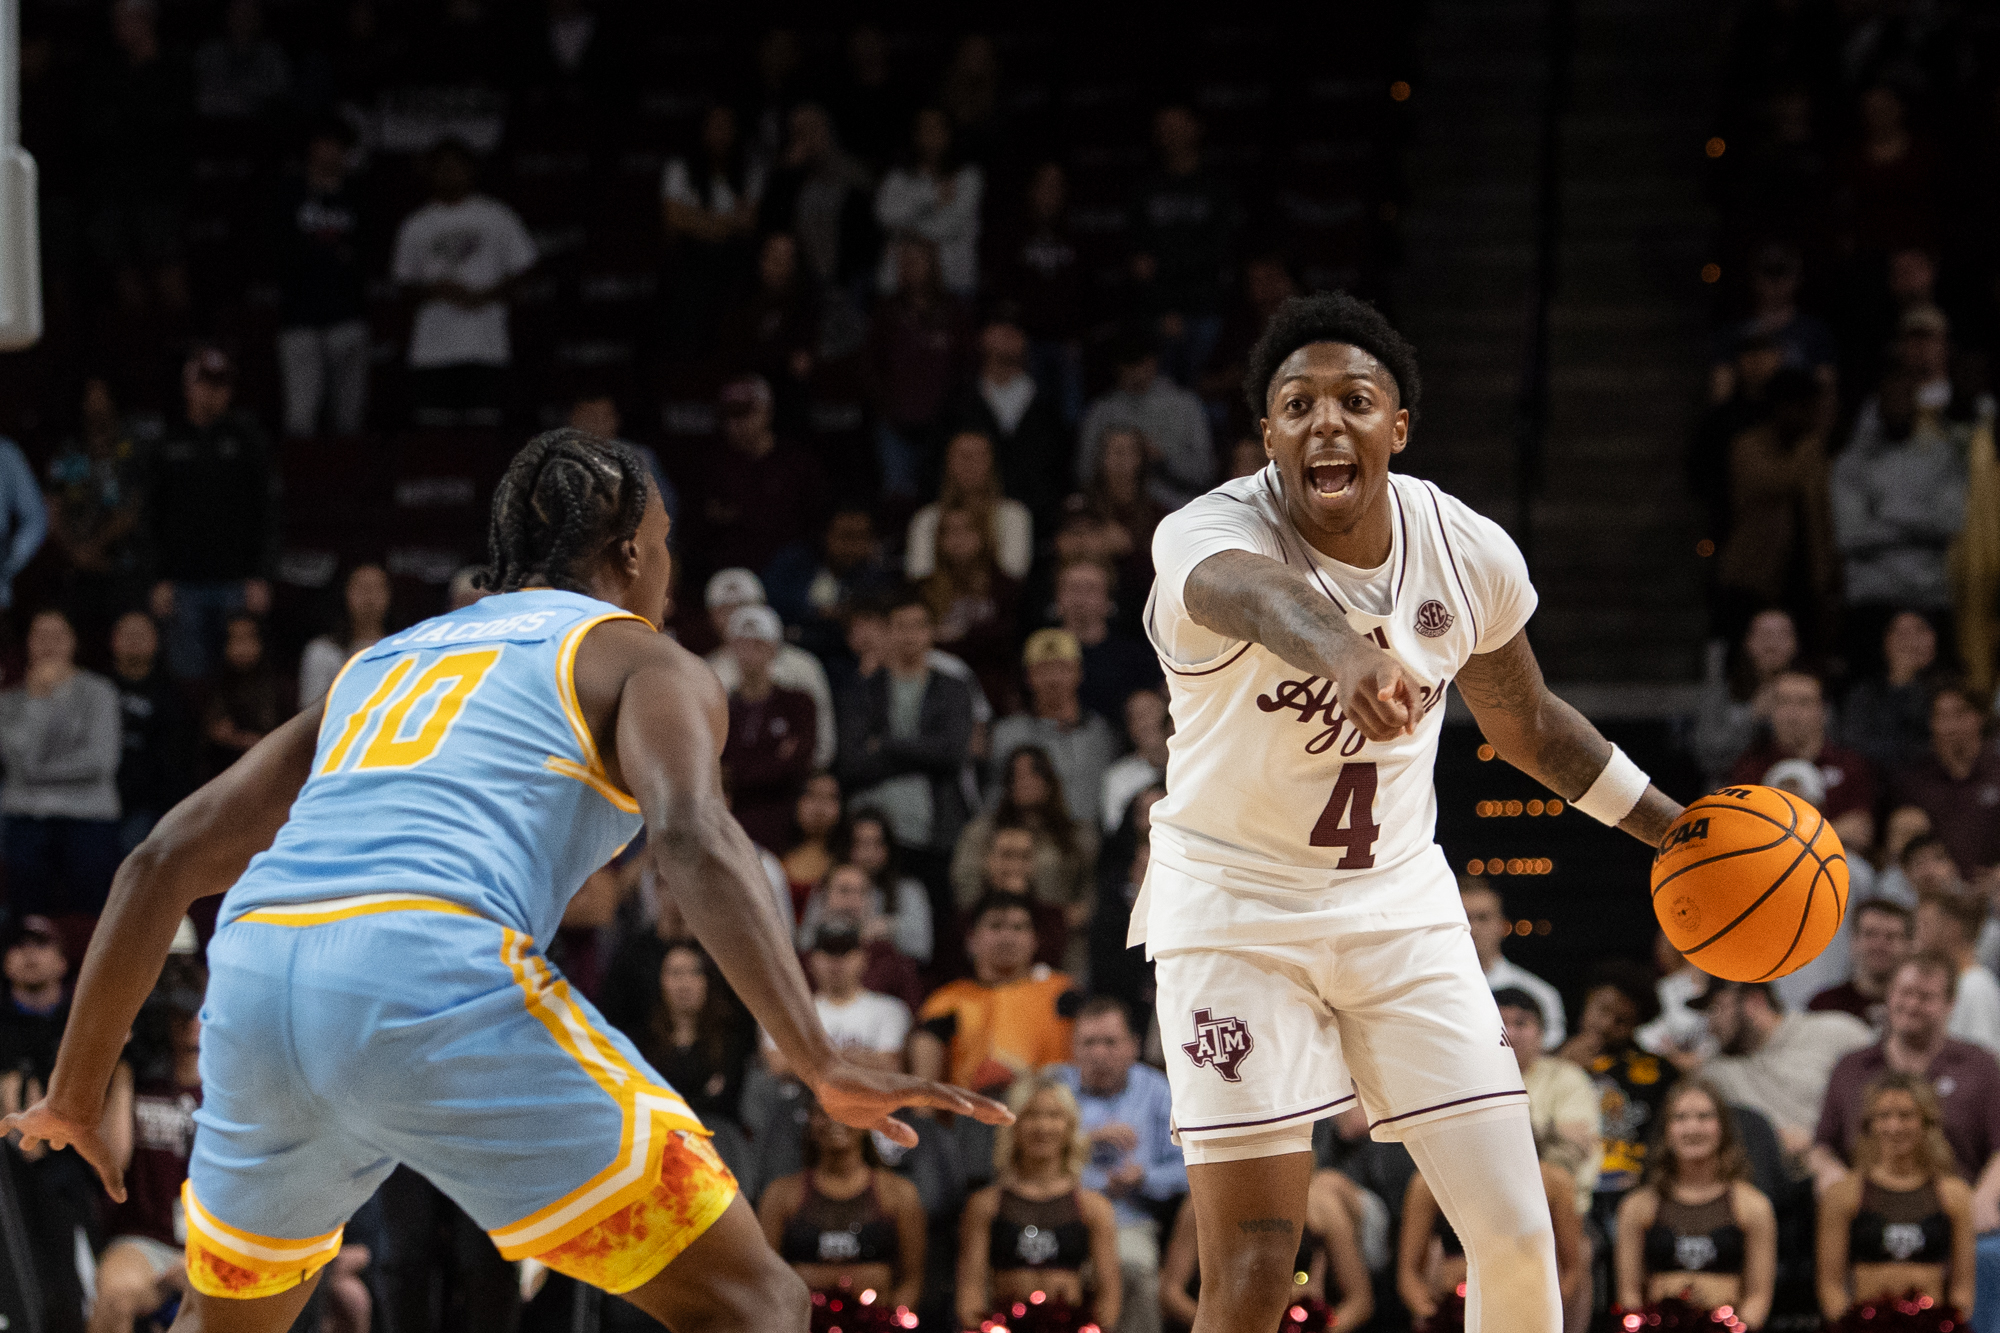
(1297, 820)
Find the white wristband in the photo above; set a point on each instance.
(1616, 792)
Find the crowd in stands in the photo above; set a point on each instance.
(917, 381)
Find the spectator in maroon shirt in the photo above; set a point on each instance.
(1798, 731)
(1965, 1077)
(143, 1267)
(769, 753)
(1958, 783)
(762, 494)
(1881, 942)
(919, 347)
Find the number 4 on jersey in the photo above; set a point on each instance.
(1353, 800)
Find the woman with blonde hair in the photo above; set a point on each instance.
(1026, 1241)
(1896, 1236)
(1697, 1233)
(972, 481)
(974, 604)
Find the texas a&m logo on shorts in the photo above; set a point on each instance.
(1221, 1043)
(1432, 619)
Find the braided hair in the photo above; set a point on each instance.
(567, 497)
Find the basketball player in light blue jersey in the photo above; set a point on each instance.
(377, 994)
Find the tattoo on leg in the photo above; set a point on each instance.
(1267, 1225)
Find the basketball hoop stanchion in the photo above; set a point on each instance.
(20, 230)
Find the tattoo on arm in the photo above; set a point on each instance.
(1253, 598)
(1531, 728)
(1259, 1226)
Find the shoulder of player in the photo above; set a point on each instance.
(1242, 499)
(615, 651)
(1467, 528)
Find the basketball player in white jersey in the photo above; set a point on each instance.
(1312, 953)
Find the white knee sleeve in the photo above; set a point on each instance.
(1483, 1170)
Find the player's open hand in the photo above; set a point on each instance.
(40, 1124)
(865, 1098)
(1375, 694)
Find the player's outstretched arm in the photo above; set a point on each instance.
(198, 849)
(1252, 597)
(672, 720)
(1551, 742)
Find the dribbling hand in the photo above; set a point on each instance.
(1375, 694)
(865, 1098)
(40, 1124)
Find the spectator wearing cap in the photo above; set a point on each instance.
(1947, 921)
(905, 734)
(37, 1007)
(866, 1026)
(1774, 1062)
(1005, 405)
(1169, 417)
(1486, 915)
(1114, 663)
(769, 752)
(1898, 502)
(1562, 1104)
(1127, 1120)
(1882, 940)
(1013, 1016)
(56, 1190)
(461, 255)
(792, 667)
(762, 494)
(1078, 742)
(1957, 785)
(61, 737)
(212, 509)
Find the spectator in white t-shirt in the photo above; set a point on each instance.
(1149, 724)
(461, 254)
(1487, 915)
(867, 1027)
(1948, 922)
(937, 198)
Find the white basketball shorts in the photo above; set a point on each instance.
(1260, 1038)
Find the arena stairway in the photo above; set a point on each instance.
(1609, 530)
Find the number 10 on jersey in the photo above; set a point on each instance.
(1348, 822)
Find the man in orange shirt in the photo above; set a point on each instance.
(1011, 1018)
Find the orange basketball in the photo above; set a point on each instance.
(1750, 883)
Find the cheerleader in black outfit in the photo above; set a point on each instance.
(1896, 1240)
(1698, 1231)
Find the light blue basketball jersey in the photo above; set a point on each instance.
(454, 761)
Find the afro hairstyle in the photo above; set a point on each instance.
(1329, 317)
